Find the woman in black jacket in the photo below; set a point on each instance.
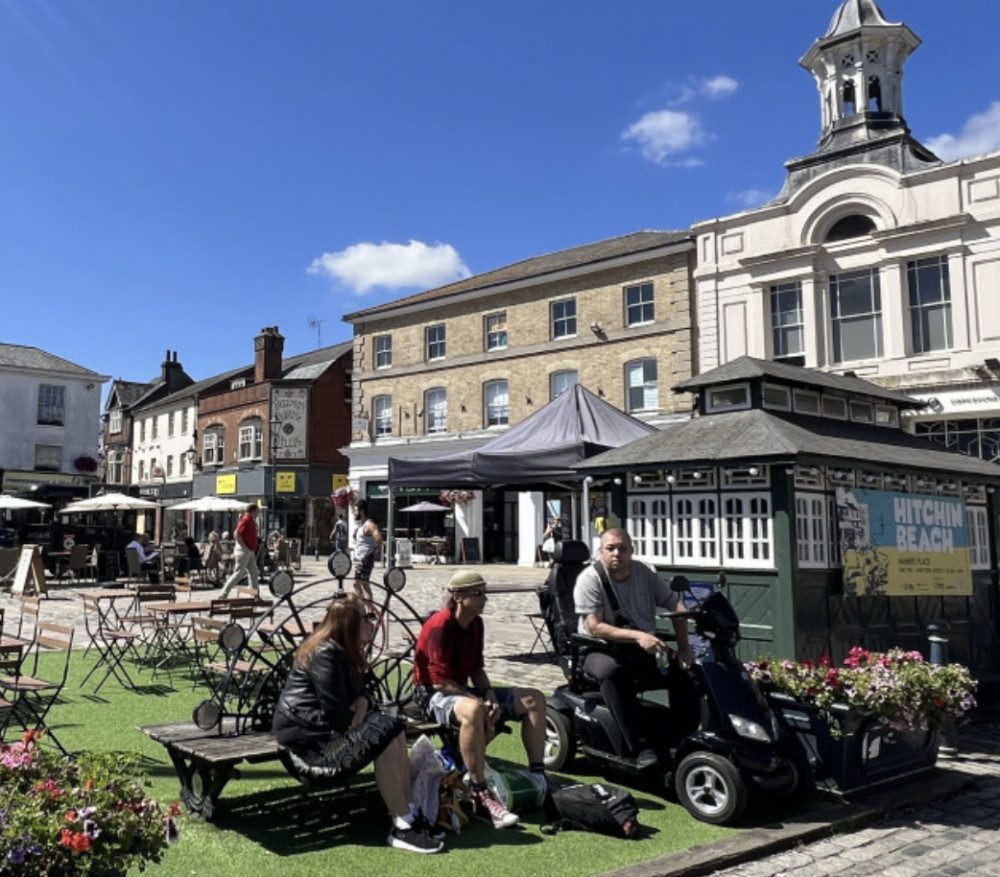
(326, 719)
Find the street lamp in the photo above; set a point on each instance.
(275, 427)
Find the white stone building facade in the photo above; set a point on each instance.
(876, 258)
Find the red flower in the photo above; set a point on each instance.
(70, 816)
(175, 808)
(81, 843)
(826, 661)
(66, 838)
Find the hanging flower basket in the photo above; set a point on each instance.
(85, 463)
(456, 497)
(343, 497)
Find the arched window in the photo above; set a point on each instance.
(436, 410)
(853, 226)
(213, 448)
(251, 440)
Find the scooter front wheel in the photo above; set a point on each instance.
(560, 742)
(711, 788)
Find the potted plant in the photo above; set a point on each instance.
(874, 718)
(84, 816)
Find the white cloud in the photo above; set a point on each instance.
(665, 133)
(981, 134)
(364, 266)
(719, 86)
(693, 87)
(749, 197)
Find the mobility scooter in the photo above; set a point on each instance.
(737, 744)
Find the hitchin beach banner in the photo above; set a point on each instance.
(901, 544)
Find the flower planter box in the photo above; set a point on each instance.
(867, 753)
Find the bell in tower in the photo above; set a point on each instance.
(858, 67)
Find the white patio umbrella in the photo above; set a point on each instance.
(210, 504)
(15, 502)
(108, 502)
(426, 507)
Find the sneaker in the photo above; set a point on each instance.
(414, 840)
(434, 832)
(489, 809)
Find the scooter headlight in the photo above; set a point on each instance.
(749, 730)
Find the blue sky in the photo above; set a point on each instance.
(180, 173)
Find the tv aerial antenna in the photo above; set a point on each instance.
(317, 324)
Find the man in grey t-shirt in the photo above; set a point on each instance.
(639, 592)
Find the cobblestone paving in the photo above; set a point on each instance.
(509, 633)
(956, 836)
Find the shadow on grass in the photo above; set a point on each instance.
(291, 820)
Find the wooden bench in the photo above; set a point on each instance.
(205, 761)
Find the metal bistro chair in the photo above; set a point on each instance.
(76, 563)
(27, 622)
(11, 655)
(111, 641)
(32, 696)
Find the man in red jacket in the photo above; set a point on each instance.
(245, 555)
(451, 679)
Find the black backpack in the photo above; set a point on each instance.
(601, 808)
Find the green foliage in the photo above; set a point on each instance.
(898, 686)
(60, 816)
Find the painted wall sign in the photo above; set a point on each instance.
(898, 544)
(291, 406)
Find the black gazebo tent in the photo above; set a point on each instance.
(541, 449)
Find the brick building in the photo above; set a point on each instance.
(273, 432)
(448, 368)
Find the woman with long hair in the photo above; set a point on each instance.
(331, 727)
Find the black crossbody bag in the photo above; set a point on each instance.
(622, 651)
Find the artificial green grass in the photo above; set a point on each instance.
(268, 823)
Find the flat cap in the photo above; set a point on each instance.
(465, 579)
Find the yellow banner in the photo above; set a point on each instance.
(903, 545)
(225, 484)
(285, 482)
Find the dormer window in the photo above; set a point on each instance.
(805, 402)
(835, 407)
(733, 397)
(886, 415)
(861, 412)
(776, 396)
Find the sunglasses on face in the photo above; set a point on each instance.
(370, 617)
(477, 593)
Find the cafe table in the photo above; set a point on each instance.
(170, 629)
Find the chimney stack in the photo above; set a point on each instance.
(172, 372)
(268, 348)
